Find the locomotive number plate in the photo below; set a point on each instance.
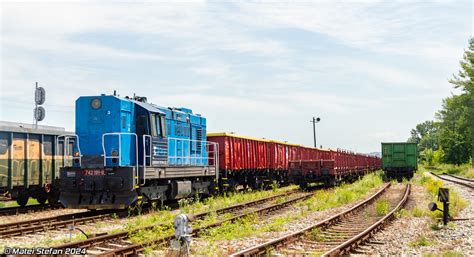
(93, 172)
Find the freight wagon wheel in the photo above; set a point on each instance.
(42, 198)
(23, 199)
(53, 197)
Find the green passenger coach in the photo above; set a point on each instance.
(399, 160)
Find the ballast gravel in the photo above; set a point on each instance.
(403, 235)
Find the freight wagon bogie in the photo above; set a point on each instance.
(251, 179)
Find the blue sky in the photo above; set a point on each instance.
(371, 70)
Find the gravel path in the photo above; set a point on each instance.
(403, 235)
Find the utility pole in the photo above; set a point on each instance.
(314, 121)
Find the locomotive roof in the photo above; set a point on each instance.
(7, 126)
(147, 106)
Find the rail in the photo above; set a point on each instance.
(265, 247)
(349, 244)
(456, 180)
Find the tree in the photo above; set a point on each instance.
(455, 129)
(465, 81)
(425, 135)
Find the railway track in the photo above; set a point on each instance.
(469, 183)
(339, 234)
(119, 243)
(27, 209)
(56, 222)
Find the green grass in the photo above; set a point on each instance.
(230, 230)
(343, 194)
(420, 211)
(7, 204)
(444, 254)
(382, 207)
(420, 241)
(322, 200)
(464, 170)
(432, 185)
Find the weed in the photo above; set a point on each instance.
(277, 223)
(435, 227)
(420, 241)
(315, 235)
(432, 186)
(382, 207)
(452, 254)
(401, 213)
(231, 230)
(418, 212)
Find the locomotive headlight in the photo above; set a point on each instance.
(76, 154)
(114, 153)
(96, 103)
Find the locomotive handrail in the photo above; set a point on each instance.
(66, 144)
(119, 134)
(146, 156)
(211, 148)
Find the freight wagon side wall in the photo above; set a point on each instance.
(28, 159)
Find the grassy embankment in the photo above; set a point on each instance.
(432, 185)
(464, 170)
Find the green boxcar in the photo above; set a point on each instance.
(399, 160)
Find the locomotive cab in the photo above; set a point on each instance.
(133, 151)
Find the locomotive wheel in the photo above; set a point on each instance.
(23, 199)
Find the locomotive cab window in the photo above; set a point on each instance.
(142, 125)
(163, 126)
(154, 131)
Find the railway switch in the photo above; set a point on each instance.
(182, 233)
(443, 196)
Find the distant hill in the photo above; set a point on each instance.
(378, 154)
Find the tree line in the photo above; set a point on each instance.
(449, 138)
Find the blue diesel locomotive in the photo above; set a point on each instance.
(129, 151)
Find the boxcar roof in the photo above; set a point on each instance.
(7, 126)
